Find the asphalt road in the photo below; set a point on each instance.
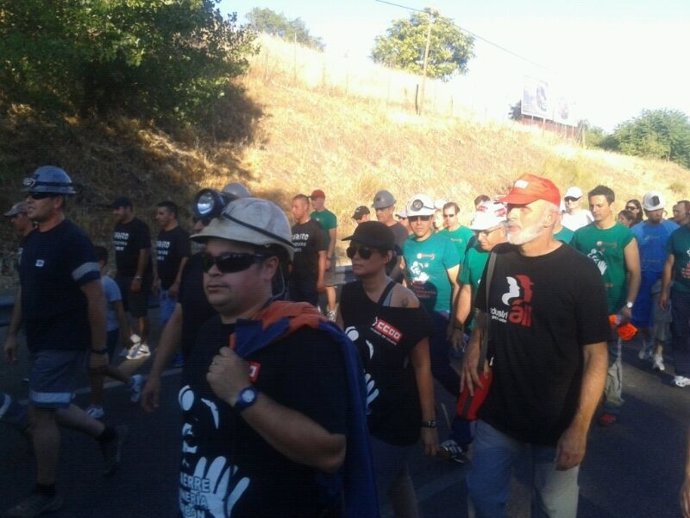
(632, 470)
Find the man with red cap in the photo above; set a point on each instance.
(545, 315)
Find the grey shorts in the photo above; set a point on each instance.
(329, 277)
(53, 377)
(662, 321)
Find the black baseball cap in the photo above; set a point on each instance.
(374, 234)
(360, 211)
(121, 201)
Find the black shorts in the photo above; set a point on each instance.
(137, 304)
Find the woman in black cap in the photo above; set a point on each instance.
(390, 329)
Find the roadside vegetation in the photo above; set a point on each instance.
(276, 118)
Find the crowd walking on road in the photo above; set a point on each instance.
(302, 395)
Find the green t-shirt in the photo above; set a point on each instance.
(679, 246)
(606, 249)
(564, 235)
(471, 273)
(426, 267)
(327, 220)
(460, 237)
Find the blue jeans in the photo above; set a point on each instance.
(680, 332)
(393, 482)
(495, 454)
(439, 350)
(167, 306)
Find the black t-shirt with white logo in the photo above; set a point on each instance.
(385, 336)
(171, 247)
(128, 239)
(308, 240)
(228, 469)
(542, 311)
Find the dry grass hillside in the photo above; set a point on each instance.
(325, 136)
(296, 133)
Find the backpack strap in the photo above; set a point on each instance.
(483, 351)
(385, 298)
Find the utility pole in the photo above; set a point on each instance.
(424, 65)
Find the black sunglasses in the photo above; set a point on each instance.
(40, 195)
(570, 198)
(416, 218)
(231, 262)
(363, 251)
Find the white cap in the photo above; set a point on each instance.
(420, 205)
(489, 214)
(573, 192)
(253, 221)
(653, 200)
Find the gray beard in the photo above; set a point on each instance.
(525, 235)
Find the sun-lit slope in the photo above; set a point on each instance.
(321, 137)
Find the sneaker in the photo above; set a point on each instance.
(112, 451)
(607, 419)
(96, 412)
(681, 381)
(645, 353)
(135, 384)
(330, 315)
(138, 351)
(658, 363)
(35, 504)
(452, 451)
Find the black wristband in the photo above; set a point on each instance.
(429, 424)
(99, 351)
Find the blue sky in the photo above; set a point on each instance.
(613, 57)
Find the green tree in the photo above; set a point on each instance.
(592, 136)
(168, 60)
(277, 24)
(661, 134)
(404, 45)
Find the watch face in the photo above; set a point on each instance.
(248, 396)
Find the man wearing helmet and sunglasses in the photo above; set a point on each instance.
(61, 301)
(265, 423)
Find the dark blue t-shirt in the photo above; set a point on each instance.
(55, 265)
(227, 469)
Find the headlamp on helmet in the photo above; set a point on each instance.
(209, 203)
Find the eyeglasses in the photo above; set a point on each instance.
(231, 262)
(487, 231)
(449, 215)
(40, 195)
(363, 251)
(570, 199)
(417, 218)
